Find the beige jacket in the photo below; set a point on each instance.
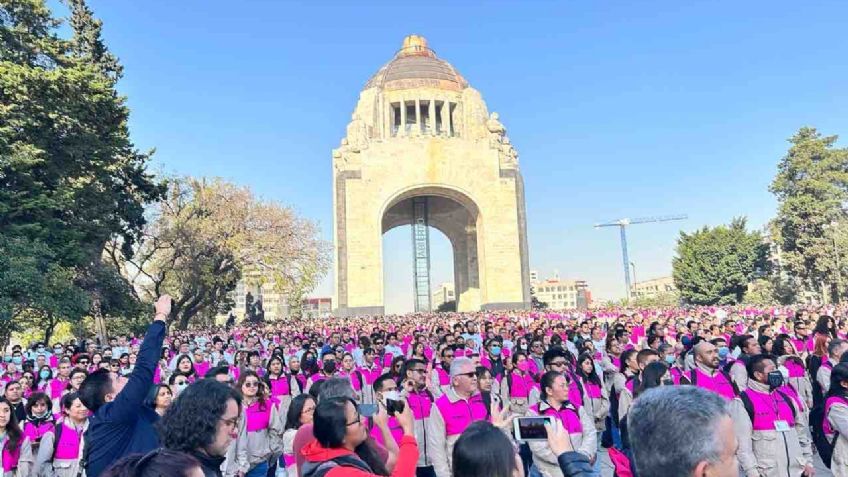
(252, 448)
(26, 461)
(837, 416)
(46, 466)
(769, 453)
(585, 443)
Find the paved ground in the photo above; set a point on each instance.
(821, 470)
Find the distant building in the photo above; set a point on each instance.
(562, 294)
(317, 307)
(443, 294)
(653, 287)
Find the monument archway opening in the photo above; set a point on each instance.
(457, 217)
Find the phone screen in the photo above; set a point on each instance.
(531, 428)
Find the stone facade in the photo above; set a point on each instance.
(420, 130)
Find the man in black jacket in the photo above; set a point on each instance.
(121, 424)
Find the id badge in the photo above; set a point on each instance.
(781, 426)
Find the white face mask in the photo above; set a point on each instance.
(393, 395)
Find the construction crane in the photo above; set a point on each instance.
(622, 226)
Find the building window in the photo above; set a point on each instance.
(395, 118)
(425, 116)
(410, 116)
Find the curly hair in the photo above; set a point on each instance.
(192, 420)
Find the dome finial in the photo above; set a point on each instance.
(415, 45)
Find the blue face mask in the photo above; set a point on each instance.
(496, 351)
(670, 359)
(44, 374)
(16, 359)
(7, 359)
(723, 352)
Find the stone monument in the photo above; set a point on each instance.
(422, 149)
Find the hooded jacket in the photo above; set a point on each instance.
(315, 455)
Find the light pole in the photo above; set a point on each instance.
(633, 267)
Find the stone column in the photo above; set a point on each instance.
(417, 117)
(402, 129)
(432, 116)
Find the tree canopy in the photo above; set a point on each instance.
(714, 265)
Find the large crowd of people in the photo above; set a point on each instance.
(695, 392)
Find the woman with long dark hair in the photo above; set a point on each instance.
(825, 325)
(15, 448)
(263, 427)
(655, 374)
(300, 412)
(156, 463)
(486, 383)
(186, 367)
(794, 368)
(341, 435)
(517, 384)
(576, 421)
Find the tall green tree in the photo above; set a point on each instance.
(713, 266)
(70, 177)
(811, 187)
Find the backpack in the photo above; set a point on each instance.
(321, 470)
(820, 440)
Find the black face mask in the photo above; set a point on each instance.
(775, 379)
(329, 367)
(668, 382)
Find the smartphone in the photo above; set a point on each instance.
(367, 410)
(531, 428)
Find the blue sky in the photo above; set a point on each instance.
(618, 109)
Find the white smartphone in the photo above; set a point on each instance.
(531, 428)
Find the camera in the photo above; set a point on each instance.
(394, 407)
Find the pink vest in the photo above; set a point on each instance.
(795, 370)
(520, 386)
(676, 374)
(353, 377)
(826, 427)
(35, 433)
(718, 384)
(258, 415)
(280, 386)
(201, 368)
(395, 429)
(370, 375)
(444, 377)
(567, 415)
(574, 394)
(421, 404)
(460, 414)
(769, 407)
(56, 388)
(10, 458)
(592, 390)
(68, 447)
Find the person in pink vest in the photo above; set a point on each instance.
(796, 369)
(517, 384)
(453, 412)
(576, 420)
(706, 374)
(836, 419)
(56, 386)
(834, 353)
(421, 400)
(386, 389)
(39, 419)
(16, 459)
(441, 379)
(61, 448)
(260, 429)
(300, 412)
(771, 438)
(369, 372)
(348, 371)
(738, 373)
(281, 385)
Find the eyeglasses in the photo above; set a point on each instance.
(230, 422)
(251, 384)
(356, 421)
(557, 363)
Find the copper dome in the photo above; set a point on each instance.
(416, 66)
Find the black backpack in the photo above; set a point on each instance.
(820, 440)
(320, 470)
